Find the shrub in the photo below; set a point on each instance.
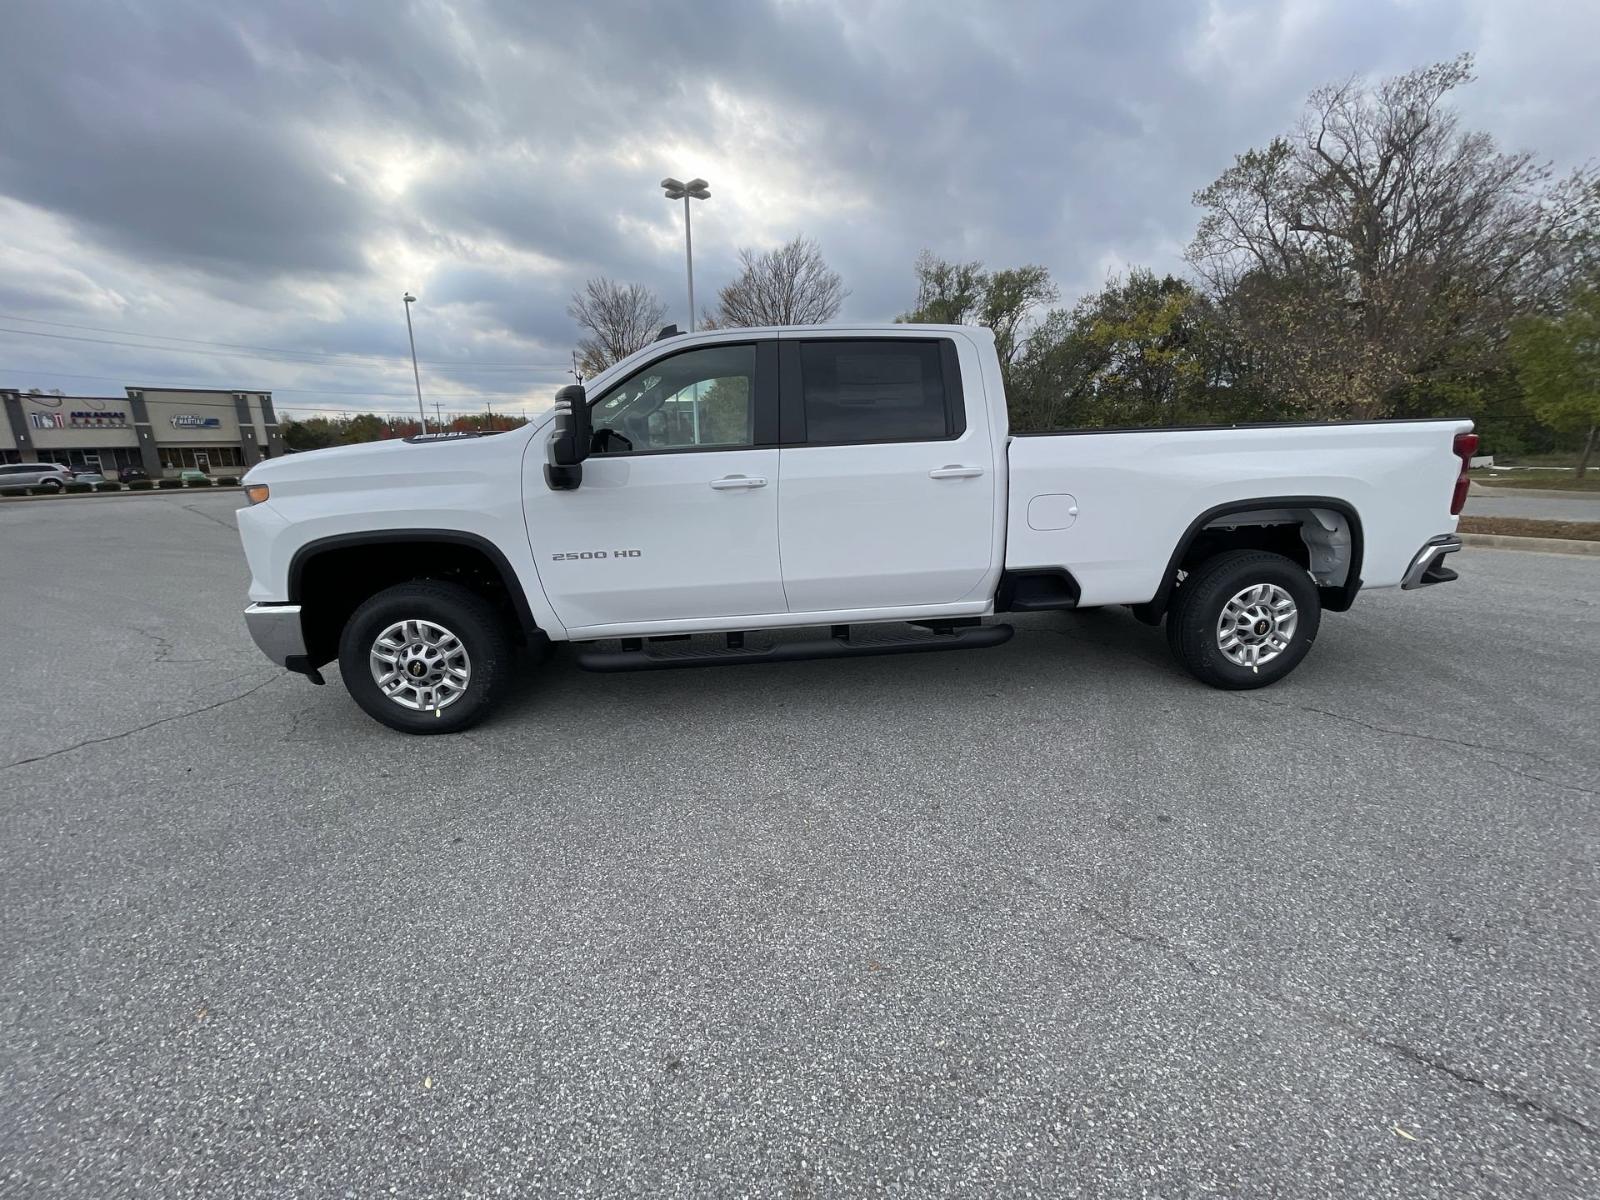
(13, 491)
(169, 484)
(79, 489)
(198, 483)
(228, 481)
(141, 485)
(110, 485)
(43, 491)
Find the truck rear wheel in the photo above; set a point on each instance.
(1243, 619)
(426, 657)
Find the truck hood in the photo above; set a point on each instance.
(393, 454)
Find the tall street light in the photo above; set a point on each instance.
(677, 190)
(415, 374)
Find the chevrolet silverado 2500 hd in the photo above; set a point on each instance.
(821, 492)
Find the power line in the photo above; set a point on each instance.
(274, 391)
(266, 349)
(68, 337)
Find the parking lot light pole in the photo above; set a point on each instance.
(696, 189)
(415, 374)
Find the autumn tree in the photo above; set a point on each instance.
(618, 319)
(1379, 242)
(792, 285)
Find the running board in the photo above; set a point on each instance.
(636, 656)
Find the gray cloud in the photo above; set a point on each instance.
(276, 175)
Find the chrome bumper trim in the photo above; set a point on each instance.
(1426, 568)
(276, 630)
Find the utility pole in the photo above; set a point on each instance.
(415, 374)
(438, 421)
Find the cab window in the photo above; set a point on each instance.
(701, 398)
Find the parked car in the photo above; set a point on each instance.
(129, 474)
(46, 475)
(189, 474)
(88, 477)
(852, 479)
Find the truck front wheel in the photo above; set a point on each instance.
(426, 657)
(1243, 619)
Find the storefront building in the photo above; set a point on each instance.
(161, 431)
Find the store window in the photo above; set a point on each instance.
(178, 458)
(78, 460)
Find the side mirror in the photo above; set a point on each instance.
(570, 444)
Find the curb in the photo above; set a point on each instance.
(124, 492)
(1502, 541)
(1495, 489)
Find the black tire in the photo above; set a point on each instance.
(53, 485)
(1197, 607)
(472, 619)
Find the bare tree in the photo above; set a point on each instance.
(1379, 241)
(619, 318)
(792, 285)
(953, 293)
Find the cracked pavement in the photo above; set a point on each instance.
(1038, 920)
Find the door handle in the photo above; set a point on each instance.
(955, 471)
(729, 483)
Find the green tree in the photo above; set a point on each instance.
(367, 427)
(1144, 350)
(1558, 359)
(313, 433)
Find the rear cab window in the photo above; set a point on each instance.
(864, 390)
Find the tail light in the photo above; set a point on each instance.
(1466, 445)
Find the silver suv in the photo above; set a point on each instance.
(47, 475)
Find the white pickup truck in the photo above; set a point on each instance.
(821, 492)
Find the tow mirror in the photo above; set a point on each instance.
(570, 444)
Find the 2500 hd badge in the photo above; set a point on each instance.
(597, 554)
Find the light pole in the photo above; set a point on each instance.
(415, 374)
(696, 189)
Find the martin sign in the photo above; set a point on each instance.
(190, 421)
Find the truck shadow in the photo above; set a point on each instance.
(1055, 650)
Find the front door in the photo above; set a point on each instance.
(677, 515)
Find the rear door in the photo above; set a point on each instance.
(677, 516)
(887, 472)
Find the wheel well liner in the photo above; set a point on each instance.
(1336, 598)
(465, 548)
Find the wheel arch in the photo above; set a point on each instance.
(1334, 597)
(456, 550)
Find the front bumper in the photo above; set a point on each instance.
(276, 630)
(1428, 568)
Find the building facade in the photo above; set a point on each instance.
(161, 431)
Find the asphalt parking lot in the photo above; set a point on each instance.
(1045, 919)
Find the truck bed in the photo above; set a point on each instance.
(1100, 504)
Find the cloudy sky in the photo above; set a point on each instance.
(256, 184)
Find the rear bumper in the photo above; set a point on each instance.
(1428, 568)
(276, 630)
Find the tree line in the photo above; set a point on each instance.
(1376, 260)
(319, 433)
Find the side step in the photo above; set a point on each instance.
(637, 656)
